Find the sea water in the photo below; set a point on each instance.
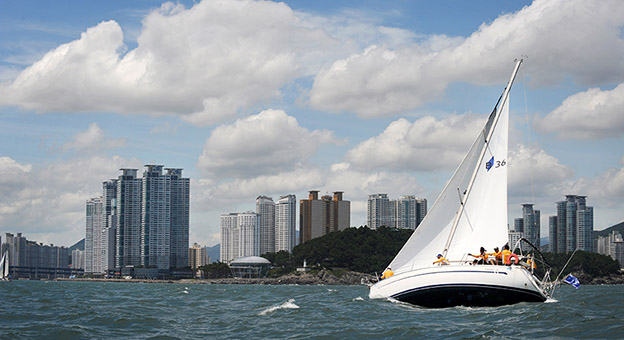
(104, 310)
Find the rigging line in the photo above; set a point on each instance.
(528, 130)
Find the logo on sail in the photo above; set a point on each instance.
(489, 164)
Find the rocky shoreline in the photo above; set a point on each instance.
(322, 277)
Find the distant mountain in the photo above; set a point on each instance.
(618, 227)
(214, 252)
(79, 245)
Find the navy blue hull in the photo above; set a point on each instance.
(467, 295)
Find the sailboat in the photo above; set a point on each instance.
(469, 213)
(4, 267)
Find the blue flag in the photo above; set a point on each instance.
(572, 280)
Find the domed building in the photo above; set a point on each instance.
(250, 267)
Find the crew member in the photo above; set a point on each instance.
(506, 254)
(498, 256)
(481, 258)
(387, 273)
(441, 260)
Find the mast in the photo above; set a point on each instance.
(501, 101)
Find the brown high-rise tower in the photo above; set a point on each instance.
(318, 217)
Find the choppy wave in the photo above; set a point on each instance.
(290, 304)
(92, 310)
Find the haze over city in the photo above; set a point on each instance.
(265, 98)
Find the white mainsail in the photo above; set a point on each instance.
(471, 211)
(4, 266)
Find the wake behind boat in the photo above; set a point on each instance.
(471, 212)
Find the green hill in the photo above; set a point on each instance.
(618, 227)
(356, 249)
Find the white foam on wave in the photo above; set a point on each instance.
(290, 304)
(359, 298)
(551, 300)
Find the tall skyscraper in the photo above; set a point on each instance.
(128, 225)
(109, 195)
(155, 218)
(265, 208)
(575, 225)
(285, 223)
(321, 217)
(180, 217)
(95, 226)
(552, 234)
(527, 227)
(240, 235)
(532, 224)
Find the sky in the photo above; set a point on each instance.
(273, 98)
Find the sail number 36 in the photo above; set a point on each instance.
(495, 164)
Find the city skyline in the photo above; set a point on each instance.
(380, 96)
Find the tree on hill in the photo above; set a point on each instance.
(357, 249)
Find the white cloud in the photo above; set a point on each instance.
(46, 202)
(607, 189)
(425, 144)
(262, 144)
(205, 63)
(92, 140)
(382, 81)
(534, 172)
(593, 114)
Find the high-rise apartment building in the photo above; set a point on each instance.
(95, 227)
(532, 224)
(611, 245)
(128, 224)
(100, 230)
(78, 259)
(265, 208)
(33, 260)
(318, 217)
(180, 217)
(379, 211)
(286, 223)
(406, 212)
(552, 234)
(574, 225)
(198, 256)
(527, 227)
(109, 196)
(145, 220)
(240, 235)
(410, 211)
(155, 218)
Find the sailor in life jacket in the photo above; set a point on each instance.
(508, 255)
(441, 260)
(387, 273)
